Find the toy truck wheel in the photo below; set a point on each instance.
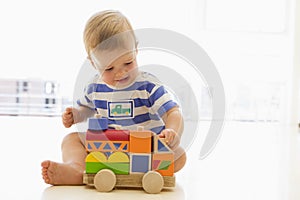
(105, 180)
(152, 182)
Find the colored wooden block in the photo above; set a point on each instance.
(118, 162)
(140, 141)
(160, 146)
(163, 163)
(94, 167)
(109, 134)
(98, 124)
(118, 157)
(107, 146)
(96, 157)
(117, 168)
(140, 163)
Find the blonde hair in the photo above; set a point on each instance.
(103, 26)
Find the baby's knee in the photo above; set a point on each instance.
(179, 159)
(70, 138)
(179, 152)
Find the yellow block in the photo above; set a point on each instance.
(118, 157)
(96, 157)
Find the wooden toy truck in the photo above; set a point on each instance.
(126, 158)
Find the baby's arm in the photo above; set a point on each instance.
(174, 127)
(76, 115)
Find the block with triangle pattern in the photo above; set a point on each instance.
(160, 146)
(107, 141)
(107, 146)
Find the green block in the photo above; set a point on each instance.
(117, 168)
(93, 167)
(164, 165)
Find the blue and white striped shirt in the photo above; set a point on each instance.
(142, 103)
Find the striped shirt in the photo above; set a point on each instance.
(143, 103)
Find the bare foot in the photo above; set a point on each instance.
(62, 173)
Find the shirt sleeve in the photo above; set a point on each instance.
(161, 100)
(86, 99)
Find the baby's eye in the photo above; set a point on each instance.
(128, 63)
(109, 69)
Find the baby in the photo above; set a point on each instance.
(111, 46)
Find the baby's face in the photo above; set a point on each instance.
(118, 71)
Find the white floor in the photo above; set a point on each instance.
(252, 161)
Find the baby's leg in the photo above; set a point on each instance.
(70, 171)
(179, 158)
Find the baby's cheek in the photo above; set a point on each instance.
(107, 78)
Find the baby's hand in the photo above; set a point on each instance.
(68, 118)
(171, 138)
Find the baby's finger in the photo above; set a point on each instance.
(67, 115)
(161, 135)
(68, 111)
(168, 136)
(69, 120)
(176, 142)
(67, 124)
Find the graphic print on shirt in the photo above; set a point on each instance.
(120, 109)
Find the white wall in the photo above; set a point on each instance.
(251, 43)
(44, 38)
(295, 90)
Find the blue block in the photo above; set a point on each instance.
(140, 163)
(161, 147)
(98, 124)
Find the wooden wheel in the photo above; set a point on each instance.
(105, 180)
(152, 182)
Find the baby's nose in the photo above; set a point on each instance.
(121, 73)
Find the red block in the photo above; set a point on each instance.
(110, 134)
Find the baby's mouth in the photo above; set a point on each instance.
(123, 80)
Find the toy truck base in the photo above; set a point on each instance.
(105, 180)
